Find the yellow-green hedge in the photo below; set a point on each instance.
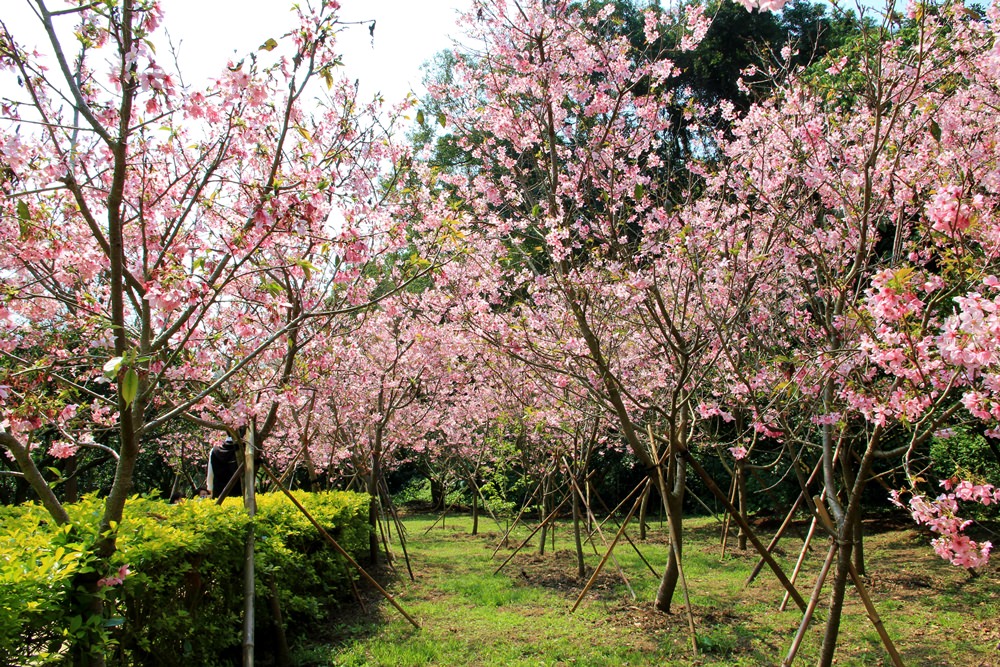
(182, 602)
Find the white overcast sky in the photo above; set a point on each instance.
(210, 32)
(407, 33)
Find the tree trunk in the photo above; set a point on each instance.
(581, 570)
(672, 491)
(71, 490)
(437, 493)
(249, 580)
(310, 470)
(642, 512)
(475, 513)
(845, 552)
(544, 513)
(858, 541)
(373, 546)
(741, 490)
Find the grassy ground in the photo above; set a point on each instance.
(936, 614)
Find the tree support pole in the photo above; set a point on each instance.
(339, 549)
(399, 528)
(620, 532)
(724, 540)
(551, 516)
(802, 496)
(715, 515)
(604, 560)
(590, 515)
(862, 591)
(798, 563)
(811, 607)
(705, 477)
(774, 540)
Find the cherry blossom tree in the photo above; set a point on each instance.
(594, 280)
(871, 195)
(173, 240)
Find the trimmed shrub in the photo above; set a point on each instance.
(182, 601)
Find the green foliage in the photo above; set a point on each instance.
(417, 491)
(38, 561)
(966, 454)
(182, 602)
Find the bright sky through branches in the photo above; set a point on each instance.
(209, 32)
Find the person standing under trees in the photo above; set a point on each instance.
(222, 465)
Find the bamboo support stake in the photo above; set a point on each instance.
(513, 525)
(636, 489)
(537, 528)
(339, 549)
(715, 514)
(774, 541)
(621, 531)
(727, 519)
(604, 560)
(399, 529)
(811, 607)
(862, 591)
(249, 578)
(590, 515)
(802, 496)
(230, 484)
(798, 563)
(750, 534)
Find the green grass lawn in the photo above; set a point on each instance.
(936, 614)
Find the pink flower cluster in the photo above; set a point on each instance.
(948, 213)
(763, 5)
(941, 516)
(116, 579)
(739, 452)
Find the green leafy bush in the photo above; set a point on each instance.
(182, 601)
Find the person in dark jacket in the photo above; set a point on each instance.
(222, 465)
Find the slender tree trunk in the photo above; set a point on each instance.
(475, 513)
(581, 570)
(283, 657)
(643, 507)
(310, 470)
(544, 513)
(845, 540)
(71, 491)
(249, 576)
(858, 541)
(672, 491)
(373, 546)
(741, 486)
(859, 544)
(437, 493)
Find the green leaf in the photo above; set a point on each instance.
(112, 366)
(270, 45)
(130, 386)
(639, 191)
(935, 130)
(442, 119)
(23, 217)
(420, 116)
